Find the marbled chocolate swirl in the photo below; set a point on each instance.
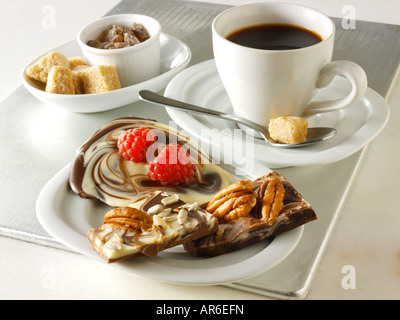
(98, 170)
(244, 231)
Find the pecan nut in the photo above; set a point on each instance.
(233, 202)
(271, 195)
(127, 219)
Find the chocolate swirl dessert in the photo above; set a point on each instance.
(162, 199)
(129, 232)
(99, 171)
(272, 206)
(244, 213)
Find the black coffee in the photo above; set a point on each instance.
(274, 37)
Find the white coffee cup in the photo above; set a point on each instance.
(263, 84)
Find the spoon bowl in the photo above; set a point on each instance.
(314, 135)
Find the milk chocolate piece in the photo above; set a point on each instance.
(242, 232)
(174, 223)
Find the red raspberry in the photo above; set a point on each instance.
(133, 144)
(172, 166)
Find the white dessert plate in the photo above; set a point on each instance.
(175, 56)
(357, 125)
(68, 218)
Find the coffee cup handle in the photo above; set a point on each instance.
(348, 69)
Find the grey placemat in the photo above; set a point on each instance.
(31, 156)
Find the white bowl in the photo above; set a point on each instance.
(134, 64)
(175, 56)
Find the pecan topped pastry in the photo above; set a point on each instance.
(154, 223)
(274, 206)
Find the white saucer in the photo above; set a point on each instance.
(357, 125)
(68, 218)
(175, 56)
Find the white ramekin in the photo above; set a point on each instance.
(134, 64)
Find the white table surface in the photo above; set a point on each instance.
(366, 235)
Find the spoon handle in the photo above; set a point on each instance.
(157, 99)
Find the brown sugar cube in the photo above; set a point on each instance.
(60, 80)
(288, 130)
(76, 61)
(100, 79)
(40, 70)
(78, 71)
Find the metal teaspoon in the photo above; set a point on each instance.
(313, 134)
